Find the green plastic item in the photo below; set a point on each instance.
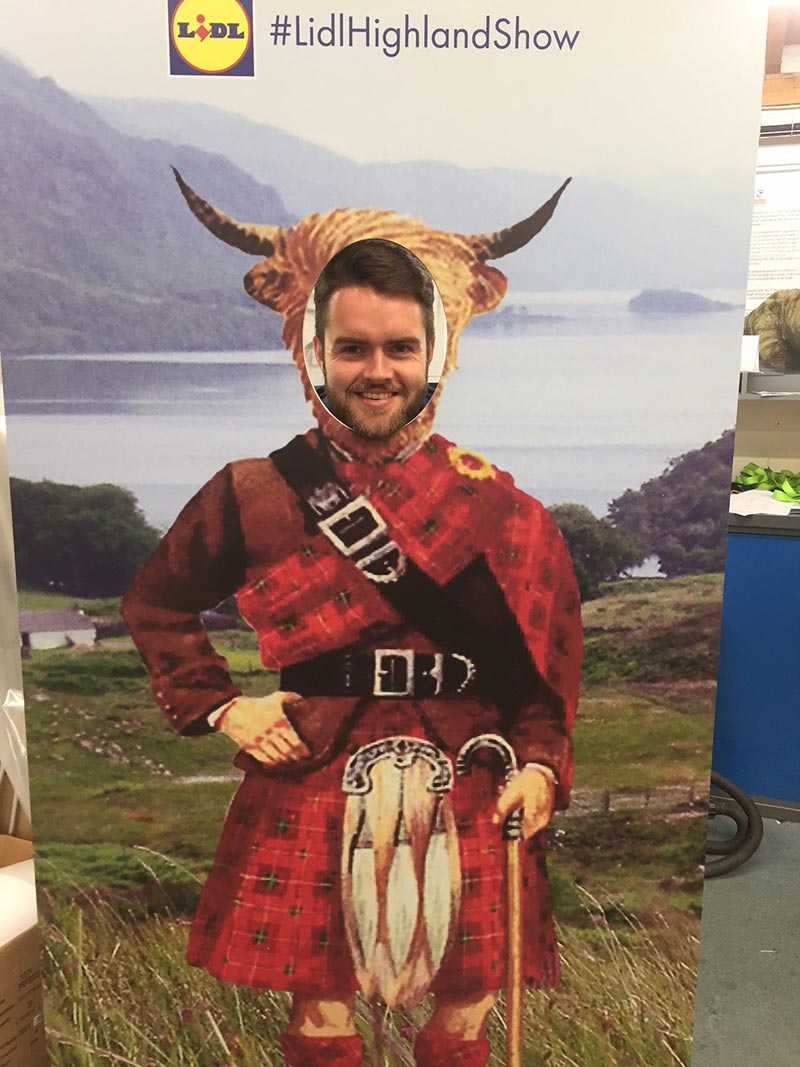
(784, 485)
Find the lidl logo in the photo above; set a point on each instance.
(211, 37)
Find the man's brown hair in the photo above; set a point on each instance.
(384, 266)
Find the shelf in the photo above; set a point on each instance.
(782, 525)
(755, 382)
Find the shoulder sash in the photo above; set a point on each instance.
(469, 614)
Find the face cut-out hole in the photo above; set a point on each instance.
(374, 337)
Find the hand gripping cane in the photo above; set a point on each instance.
(512, 834)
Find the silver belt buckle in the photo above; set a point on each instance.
(395, 570)
(375, 528)
(327, 498)
(436, 672)
(380, 654)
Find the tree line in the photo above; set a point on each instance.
(680, 517)
(85, 541)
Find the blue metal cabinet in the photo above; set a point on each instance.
(757, 727)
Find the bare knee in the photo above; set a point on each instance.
(313, 1017)
(462, 1016)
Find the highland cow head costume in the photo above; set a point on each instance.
(294, 257)
(404, 588)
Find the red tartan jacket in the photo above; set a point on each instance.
(244, 534)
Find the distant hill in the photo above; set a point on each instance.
(604, 236)
(675, 302)
(511, 319)
(99, 254)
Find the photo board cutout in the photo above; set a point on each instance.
(584, 368)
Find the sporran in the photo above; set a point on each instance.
(401, 874)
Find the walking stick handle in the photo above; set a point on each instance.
(495, 743)
(512, 824)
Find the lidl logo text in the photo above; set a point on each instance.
(211, 37)
(233, 31)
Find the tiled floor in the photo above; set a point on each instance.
(748, 998)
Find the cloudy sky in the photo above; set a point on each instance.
(638, 97)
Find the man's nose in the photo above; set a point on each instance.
(378, 364)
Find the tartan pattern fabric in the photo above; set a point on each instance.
(531, 563)
(245, 528)
(300, 1051)
(437, 1050)
(310, 602)
(313, 600)
(270, 914)
(440, 515)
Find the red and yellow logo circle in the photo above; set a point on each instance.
(212, 36)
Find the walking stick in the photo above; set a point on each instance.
(512, 834)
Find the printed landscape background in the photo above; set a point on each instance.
(132, 357)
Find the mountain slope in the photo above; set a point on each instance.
(604, 235)
(99, 252)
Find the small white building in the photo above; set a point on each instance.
(55, 629)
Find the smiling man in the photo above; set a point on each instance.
(374, 336)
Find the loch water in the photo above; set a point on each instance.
(583, 403)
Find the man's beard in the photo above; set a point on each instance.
(376, 429)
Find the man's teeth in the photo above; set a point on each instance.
(376, 396)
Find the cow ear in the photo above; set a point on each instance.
(487, 288)
(265, 284)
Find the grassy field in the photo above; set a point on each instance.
(654, 631)
(38, 600)
(127, 816)
(120, 992)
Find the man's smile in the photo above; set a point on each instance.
(375, 397)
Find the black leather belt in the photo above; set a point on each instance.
(386, 672)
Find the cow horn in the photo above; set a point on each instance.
(495, 245)
(250, 238)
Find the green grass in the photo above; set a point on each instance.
(89, 674)
(101, 751)
(120, 992)
(39, 600)
(184, 821)
(654, 631)
(135, 875)
(662, 586)
(630, 863)
(631, 740)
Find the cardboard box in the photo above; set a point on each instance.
(22, 1038)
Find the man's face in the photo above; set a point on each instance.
(375, 360)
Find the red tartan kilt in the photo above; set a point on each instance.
(270, 913)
